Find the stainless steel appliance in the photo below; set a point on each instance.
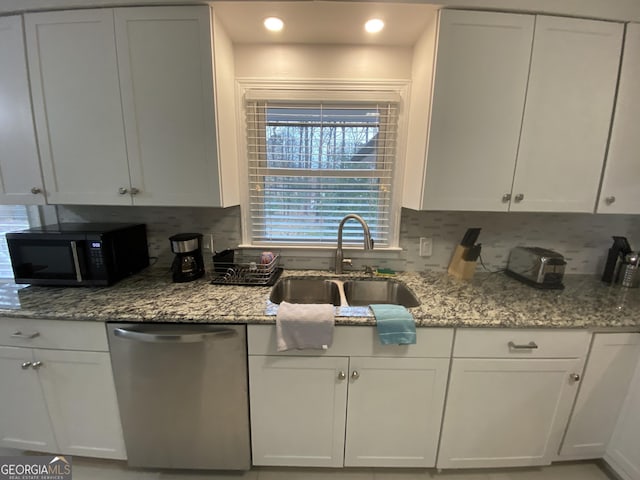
(188, 264)
(535, 266)
(183, 395)
(81, 254)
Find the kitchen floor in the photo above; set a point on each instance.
(91, 469)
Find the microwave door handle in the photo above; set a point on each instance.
(76, 260)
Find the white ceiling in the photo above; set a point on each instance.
(324, 22)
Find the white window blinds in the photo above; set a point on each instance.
(311, 163)
(12, 217)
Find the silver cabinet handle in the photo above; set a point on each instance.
(169, 337)
(123, 191)
(76, 260)
(519, 197)
(528, 346)
(36, 190)
(610, 200)
(135, 191)
(36, 365)
(355, 375)
(342, 375)
(26, 365)
(575, 377)
(25, 336)
(506, 197)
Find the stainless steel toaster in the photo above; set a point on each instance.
(535, 266)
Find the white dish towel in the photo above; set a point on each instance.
(304, 325)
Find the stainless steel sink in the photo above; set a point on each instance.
(305, 290)
(354, 293)
(367, 291)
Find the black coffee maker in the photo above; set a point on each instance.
(188, 264)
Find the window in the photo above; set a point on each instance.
(313, 162)
(12, 217)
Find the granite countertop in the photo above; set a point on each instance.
(489, 300)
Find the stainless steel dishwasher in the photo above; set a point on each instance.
(183, 395)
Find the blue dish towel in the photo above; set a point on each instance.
(395, 324)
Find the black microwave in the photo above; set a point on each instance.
(83, 254)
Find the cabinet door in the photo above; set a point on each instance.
(19, 162)
(24, 419)
(166, 73)
(482, 64)
(506, 412)
(76, 101)
(81, 398)
(572, 85)
(298, 410)
(603, 388)
(620, 192)
(623, 453)
(395, 411)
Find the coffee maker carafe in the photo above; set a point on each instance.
(188, 264)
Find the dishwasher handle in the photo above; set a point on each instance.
(158, 337)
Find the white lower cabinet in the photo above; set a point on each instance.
(609, 370)
(394, 411)
(24, 418)
(298, 407)
(357, 404)
(510, 396)
(58, 400)
(623, 452)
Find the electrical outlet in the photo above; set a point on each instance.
(426, 246)
(207, 242)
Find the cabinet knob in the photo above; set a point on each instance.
(123, 191)
(26, 365)
(355, 375)
(519, 197)
(506, 197)
(609, 200)
(342, 376)
(36, 190)
(134, 191)
(36, 365)
(575, 377)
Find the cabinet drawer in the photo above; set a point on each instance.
(54, 334)
(521, 343)
(357, 341)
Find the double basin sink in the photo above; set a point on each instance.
(343, 293)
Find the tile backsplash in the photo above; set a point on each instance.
(582, 238)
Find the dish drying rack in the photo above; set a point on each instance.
(246, 270)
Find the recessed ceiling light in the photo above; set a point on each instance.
(273, 24)
(374, 25)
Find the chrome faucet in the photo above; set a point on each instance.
(368, 241)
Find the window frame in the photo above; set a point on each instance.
(326, 91)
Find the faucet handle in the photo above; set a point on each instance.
(347, 261)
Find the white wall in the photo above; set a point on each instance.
(356, 62)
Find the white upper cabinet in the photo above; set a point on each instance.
(620, 192)
(165, 66)
(570, 97)
(76, 96)
(518, 109)
(481, 69)
(124, 105)
(20, 178)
